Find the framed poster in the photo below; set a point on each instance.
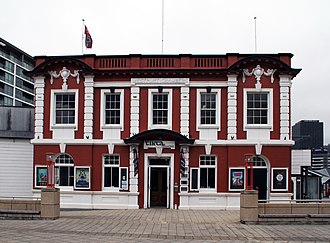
(82, 177)
(41, 176)
(279, 179)
(236, 179)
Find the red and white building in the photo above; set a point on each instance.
(138, 131)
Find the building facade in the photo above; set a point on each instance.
(16, 89)
(308, 134)
(175, 131)
(16, 160)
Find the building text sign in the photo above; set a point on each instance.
(158, 144)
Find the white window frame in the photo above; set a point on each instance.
(199, 189)
(287, 179)
(217, 125)
(191, 178)
(215, 173)
(120, 186)
(270, 114)
(53, 124)
(56, 167)
(103, 125)
(150, 109)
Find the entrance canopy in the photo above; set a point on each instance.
(159, 134)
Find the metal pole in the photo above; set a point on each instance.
(82, 39)
(255, 34)
(162, 26)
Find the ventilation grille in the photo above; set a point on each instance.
(208, 62)
(160, 62)
(113, 63)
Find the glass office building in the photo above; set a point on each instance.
(16, 89)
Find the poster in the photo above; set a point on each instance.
(279, 179)
(41, 176)
(82, 178)
(236, 179)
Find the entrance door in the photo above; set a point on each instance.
(158, 187)
(260, 182)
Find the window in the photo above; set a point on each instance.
(204, 177)
(159, 109)
(257, 108)
(64, 170)
(65, 108)
(112, 108)
(207, 171)
(111, 171)
(208, 108)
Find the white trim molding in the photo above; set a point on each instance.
(63, 131)
(169, 111)
(89, 106)
(111, 131)
(208, 131)
(259, 131)
(232, 107)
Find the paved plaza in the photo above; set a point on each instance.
(155, 225)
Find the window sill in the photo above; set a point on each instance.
(208, 127)
(112, 127)
(257, 126)
(64, 126)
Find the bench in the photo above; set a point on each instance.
(33, 212)
(277, 216)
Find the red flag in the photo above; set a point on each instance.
(88, 38)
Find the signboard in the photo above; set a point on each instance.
(82, 177)
(158, 144)
(236, 179)
(279, 179)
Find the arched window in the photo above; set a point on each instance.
(64, 170)
(259, 162)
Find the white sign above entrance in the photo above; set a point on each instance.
(158, 144)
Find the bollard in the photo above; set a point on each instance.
(249, 206)
(50, 203)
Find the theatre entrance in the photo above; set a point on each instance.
(159, 182)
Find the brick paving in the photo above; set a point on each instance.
(151, 225)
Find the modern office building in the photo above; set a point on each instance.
(16, 160)
(16, 89)
(176, 131)
(308, 134)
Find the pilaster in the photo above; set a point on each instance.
(39, 84)
(285, 85)
(88, 106)
(232, 107)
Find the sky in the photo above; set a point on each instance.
(300, 27)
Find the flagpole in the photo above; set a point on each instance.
(82, 39)
(255, 34)
(162, 26)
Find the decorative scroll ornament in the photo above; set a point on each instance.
(258, 72)
(65, 74)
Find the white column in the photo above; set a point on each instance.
(184, 111)
(39, 84)
(232, 107)
(135, 110)
(88, 107)
(285, 85)
(135, 129)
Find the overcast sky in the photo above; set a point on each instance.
(41, 27)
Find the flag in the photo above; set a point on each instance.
(88, 38)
